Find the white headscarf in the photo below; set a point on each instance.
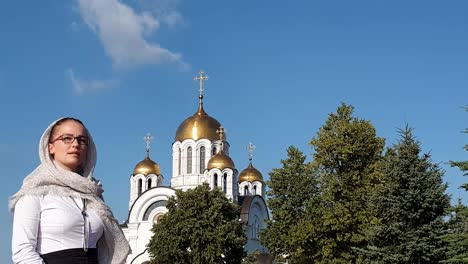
(49, 178)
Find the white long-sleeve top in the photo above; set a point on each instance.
(44, 224)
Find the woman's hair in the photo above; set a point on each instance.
(54, 129)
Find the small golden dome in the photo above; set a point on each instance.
(220, 161)
(198, 126)
(147, 166)
(250, 174)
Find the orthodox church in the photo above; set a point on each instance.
(200, 153)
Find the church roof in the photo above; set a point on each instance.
(147, 166)
(198, 126)
(246, 203)
(221, 161)
(250, 174)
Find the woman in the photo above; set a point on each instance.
(59, 214)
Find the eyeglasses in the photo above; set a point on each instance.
(69, 139)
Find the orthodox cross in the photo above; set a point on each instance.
(221, 131)
(200, 78)
(148, 138)
(251, 149)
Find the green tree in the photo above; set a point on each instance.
(347, 158)
(462, 165)
(411, 206)
(457, 236)
(202, 226)
(293, 191)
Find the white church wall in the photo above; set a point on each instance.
(138, 230)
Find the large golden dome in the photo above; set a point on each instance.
(220, 161)
(250, 174)
(147, 166)
(198, 126)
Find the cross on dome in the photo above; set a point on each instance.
(221, 132)
(148, 138)
(251, 147)
(200, 78)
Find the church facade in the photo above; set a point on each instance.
(200, 153)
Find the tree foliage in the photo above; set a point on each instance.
(293, 190)
(347, 159)
(457, 236)
(462, 165)
(202, 226)
(321, 210)
(411, 207)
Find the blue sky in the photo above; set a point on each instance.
(276, 71)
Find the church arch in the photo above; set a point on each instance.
(189, 160)
(179, 172)
(225, 182)
(149, 182)
(160, 203)
(202, 159)
(140, 186)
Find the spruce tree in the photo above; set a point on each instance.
(411, 207)
(347, 159)
(293, 191)
(457, 236)
(462, 165)
(202, 226)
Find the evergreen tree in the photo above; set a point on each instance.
(462, 165)
(411, 207)
(457, 236)
(202, 226)
(293, 191)
(347, 159)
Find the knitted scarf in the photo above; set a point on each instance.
(49, 178)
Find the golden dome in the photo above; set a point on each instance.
(147, 166)
(250, 174)
(220, 161)
(198, 126)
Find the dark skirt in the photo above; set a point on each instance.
(71, 256)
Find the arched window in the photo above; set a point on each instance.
(224, 182)
(213, 151)
(189, 160)
(202, 160)
(246, 190)
(180, 162)
(149, 184)
(215, 180)
(254, 191)
(139, 186)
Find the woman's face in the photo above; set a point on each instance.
(69, 145)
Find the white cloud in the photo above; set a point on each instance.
(171, 18)
(123, 32)
(164, 11)
(81, 86)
